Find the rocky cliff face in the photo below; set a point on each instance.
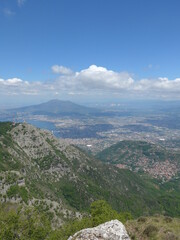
(113, 230)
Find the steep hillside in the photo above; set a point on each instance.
(142, 156)
(38, 169)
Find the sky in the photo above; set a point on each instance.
(88, 50)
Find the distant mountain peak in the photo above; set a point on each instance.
(56, 107)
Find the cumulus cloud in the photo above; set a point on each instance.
(61, 70)
(11, 82)
(101, 78)
(16, 86)
(96, 79)
(92, 81)
(159, 84)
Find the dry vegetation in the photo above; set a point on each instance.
(154, 228)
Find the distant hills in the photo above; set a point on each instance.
(141, 156)
(57, 108)
(40, 170)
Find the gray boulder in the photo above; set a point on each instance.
(113, 230)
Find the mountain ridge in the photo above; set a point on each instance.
(40, 170)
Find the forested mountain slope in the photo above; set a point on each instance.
(40, 170)
(141, 156)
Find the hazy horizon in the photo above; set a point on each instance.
(130, 103)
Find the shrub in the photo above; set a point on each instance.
(170, 236)
(102, 212)
(15, 190)
(142, 219)
(150, 230)
(22, 223)
(167, 219)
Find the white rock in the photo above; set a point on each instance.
(113, 230)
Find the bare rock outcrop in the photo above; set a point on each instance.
(113, 230)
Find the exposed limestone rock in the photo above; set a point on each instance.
(36, 143)
(113, 230)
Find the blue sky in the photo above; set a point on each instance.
(77, 49)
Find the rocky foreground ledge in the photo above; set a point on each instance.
(113, 230)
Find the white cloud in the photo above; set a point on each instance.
(16, 86)
(94, 81)
(61, 70)
(159, 84)
(12, 82)
(103, 81)
(100, 78)
(94, 78)
(21, 2)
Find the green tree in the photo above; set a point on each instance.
(22, 223)
(102, 212)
